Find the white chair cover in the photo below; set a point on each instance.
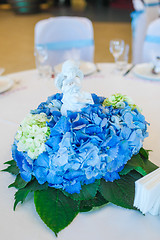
(145, 12)
(151, 47)
(65, 38)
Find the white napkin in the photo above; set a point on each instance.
(147, 193)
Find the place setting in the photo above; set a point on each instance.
(5, 82)
(46, 70)
(148, 71)
(88, 68)
(145, 71)
(9, 84)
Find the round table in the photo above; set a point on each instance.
(109, 222)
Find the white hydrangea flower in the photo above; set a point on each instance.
(32, 135)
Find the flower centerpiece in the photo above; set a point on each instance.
(78, 151)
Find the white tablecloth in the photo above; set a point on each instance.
(111, 222)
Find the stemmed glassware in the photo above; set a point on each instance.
(116, 48)
(41, 56)
(122, 60)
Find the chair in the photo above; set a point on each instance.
(151, 47)
(65, 38)
(145, 12)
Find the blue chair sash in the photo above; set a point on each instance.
(152, 39)
(134, 16)
(151, 4)
(66, 45)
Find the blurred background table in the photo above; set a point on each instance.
(17, 32)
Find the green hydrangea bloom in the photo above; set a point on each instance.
(118, 101)
(32, 134)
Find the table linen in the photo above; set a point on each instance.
(109, 222)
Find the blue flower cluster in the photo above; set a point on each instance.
(84, 146)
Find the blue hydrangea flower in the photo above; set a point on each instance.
(84, 146)
(24, 163)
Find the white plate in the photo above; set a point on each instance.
(5, 84)
(86, 67)
(144, 71)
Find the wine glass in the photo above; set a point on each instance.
(41, 56)
(122, 60)
(116, 48)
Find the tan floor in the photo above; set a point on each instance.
(17, 39)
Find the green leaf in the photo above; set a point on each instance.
(144, 153)
(11, 162)
(35, 186)
(20, 196)
(128, 168)
(97, 201)
(13, 169)
(85, 206)
(121, 192)
(87, 192)
(150, 167)
(22, 193)
(55, 209)
(18, 183)
(140, 163)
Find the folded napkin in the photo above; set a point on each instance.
(147, 193)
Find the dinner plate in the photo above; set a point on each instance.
(5, 84)
(86, 67)
(144, 70)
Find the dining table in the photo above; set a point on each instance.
(106, 223)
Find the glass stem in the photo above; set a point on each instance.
(116, 58)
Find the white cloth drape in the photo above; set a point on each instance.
(145, 12)
(66, 38)
(151, 47)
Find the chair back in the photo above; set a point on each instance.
(145, 12)
(151, 47)
(65, 38)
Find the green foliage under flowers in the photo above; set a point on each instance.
(121, 192)
(58, 208)
(140, 163)
(13, 169)
(87, 192)
(55, 209)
